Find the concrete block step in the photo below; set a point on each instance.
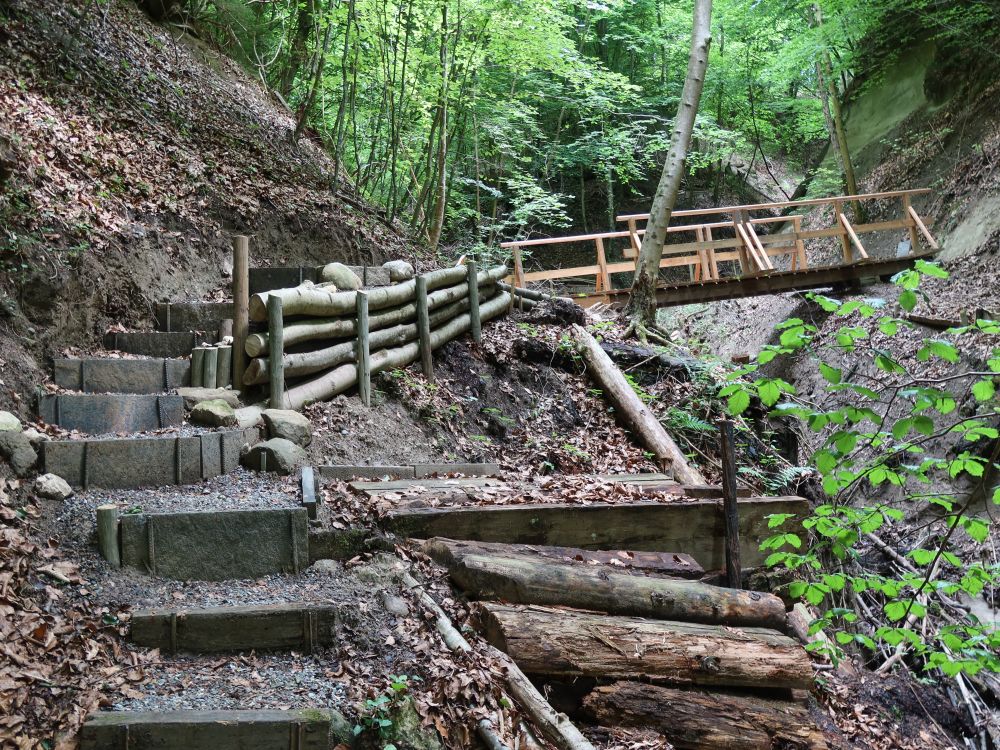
(100, 413)
(296, 729)
(216, 545)
(158, 343)
(299, 626)
(146, 462)
(101, 375)
(191, 316)
(283, 277)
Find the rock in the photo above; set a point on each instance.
(382, 569)
(9, 423)
(408, 730)
(35, 437)
(17, 450)
(53, 487)
(194, 396)
(395, 605)
(399, 270)
(248, 416)
(279, 455)
(288, 424)
(340, 276)
(327, 567)
(214, 413)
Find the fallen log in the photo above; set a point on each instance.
(524, 579)
(567, 643)
(649, 369)
(674, 564)
(635, 415)
(319, 302)
(306, 363)
(343, 377)
(697, 720)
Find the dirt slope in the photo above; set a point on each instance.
(130, 154)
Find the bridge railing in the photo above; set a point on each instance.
(750, 251)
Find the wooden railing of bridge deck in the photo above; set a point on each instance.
(751, 251)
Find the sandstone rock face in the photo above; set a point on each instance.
(288, 424)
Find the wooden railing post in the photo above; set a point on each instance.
(633, 236)
(730, 505)
(603, 279)
(800, 247)
(276, 352)
(424, 329)
(518, 268)
(912, 225)
(713, 264)
(845, 240)
(361, 350)
(241, 306)
(210, 367)
(476, 325)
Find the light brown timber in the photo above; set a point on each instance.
(107, 534)
(568, 644)
(241, 306)
(698, 720)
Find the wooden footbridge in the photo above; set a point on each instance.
(730, 258)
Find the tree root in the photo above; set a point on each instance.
(647, 333)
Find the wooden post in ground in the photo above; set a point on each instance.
(476, 323)
(241, 306)
(845, 240)
(729, 504)
(800, 248)
(197, 366)
(276, 354)
(604, 278)
(424, 328)
(107, 534)
(363, 353)
(210, 367)
(224, 371)
(518, 269)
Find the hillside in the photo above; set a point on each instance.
(132, 152)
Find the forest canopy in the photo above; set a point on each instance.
(476, 120)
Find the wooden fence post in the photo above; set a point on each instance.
(241, 306)
(363, 354)
(276, 354)
(518, 268)
(210, 367)
(424, 329)
(197, 366)
(107, 534)
(603, 278)
(476, 322)
(730, 505)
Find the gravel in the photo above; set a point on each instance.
(183, 430)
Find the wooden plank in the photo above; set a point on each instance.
(421, 471)
(761, 253)
(673, 564)
(604, 279)
(694, 528)
(778, 204)
(568, 644)
(372, 489)
(853, 235)
(932, 243)
(302, 729)
(560, 240)
(297, 626)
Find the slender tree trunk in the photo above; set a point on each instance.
(317, 76)
(437, 224)
(642, 305)
(297, 53)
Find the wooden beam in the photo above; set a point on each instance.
(604, 280)
(853, 235)
(762, 254)
(923, 228)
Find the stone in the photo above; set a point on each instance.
(194, 396)
(214, 413)
(9, 423)
(340, 276)
(395, 605)
(288, 424)
(17, 450)
(248, 416)
(326, 567)
(399, 270)
(35, 437)
(277, 455)
(53, 487)
(407, 728)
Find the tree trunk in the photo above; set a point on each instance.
(629, 407)
(437, 223)
(569, 644)
(696, 720)
(297, 53)
(642, 305)
(524, 579)
(673, 564)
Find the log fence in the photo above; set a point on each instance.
(319, 342)
(749, 252)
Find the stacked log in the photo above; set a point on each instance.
(392, 328)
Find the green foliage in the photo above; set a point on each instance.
(899, 438)
(376, 715)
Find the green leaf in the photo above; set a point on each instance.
(776, 519)
(930, 269)
(738, 402)
(895, 610)
(830, 373)
(769, 392)
(908, 300)
(921, 556)
(984, 390)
